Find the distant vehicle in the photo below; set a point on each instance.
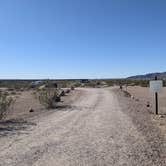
(84, 81)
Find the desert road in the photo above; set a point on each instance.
(92, 130)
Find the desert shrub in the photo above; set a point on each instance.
(11, 89)
(72, 88)
(6, 93)
(67, 91)
(110, 83)
(143, 83)
(126, 94)
(51, 84)
(61, 93)
(35, 94)
(5, 104)
(13, 93)
(13, 84)
(49, 97)
(164, 83)
(63, 83)
(98, 83)
(91, 84)
(77, 84)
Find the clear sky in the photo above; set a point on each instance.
(81, 38)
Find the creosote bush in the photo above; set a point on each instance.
(61, 93)
(72, 88)
(142, 83)
(5, 104)
(67, 91)
(49, 97)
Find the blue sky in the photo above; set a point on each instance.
(81, 38)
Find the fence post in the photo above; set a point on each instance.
(156, 99)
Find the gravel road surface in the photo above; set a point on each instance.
(93, 130)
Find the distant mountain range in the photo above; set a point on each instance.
(149, 76)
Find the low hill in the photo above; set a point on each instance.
(149, 76)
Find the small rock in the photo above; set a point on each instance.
(148, 104)
(58, 99)
(31, 110)
(161, 124)
(132, 97)
(161, 116)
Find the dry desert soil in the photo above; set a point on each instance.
(91, 127)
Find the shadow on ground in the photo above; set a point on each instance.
(71, 108)
(11, 127)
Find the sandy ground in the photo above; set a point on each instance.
(27, 100)
(144, 94)
(94, 127)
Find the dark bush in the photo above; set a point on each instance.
(67, 91)
(72, 88)
(5, 104)
(49, 97)
(62, 93)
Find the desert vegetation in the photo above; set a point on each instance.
(15, 84)
(49, 97)
(21, 85)
(5, 103)
(19, 98)
(48, 93)
(46, 102)
(114, 82)
(143, 83)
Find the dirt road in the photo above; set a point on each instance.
(94, 130)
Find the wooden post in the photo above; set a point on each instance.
(156, 99)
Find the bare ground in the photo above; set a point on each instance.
(95, 127)
(143, 95)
